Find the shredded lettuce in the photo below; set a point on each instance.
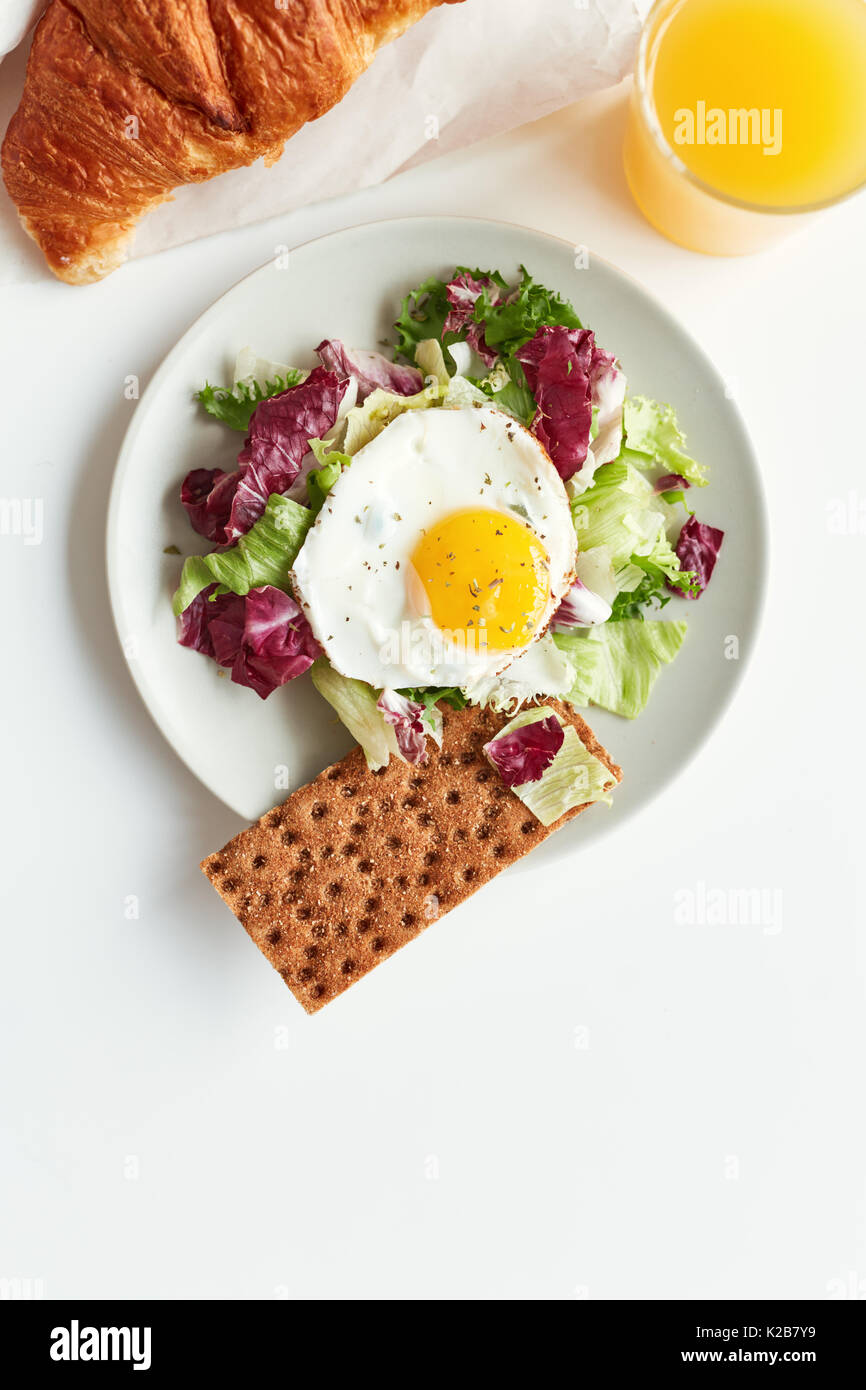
(652, 430)
(576, 777)
(356, 707)
(616, 665)
(264, 555)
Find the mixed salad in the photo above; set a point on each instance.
(468, 343)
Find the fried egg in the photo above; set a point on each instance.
(441, 552)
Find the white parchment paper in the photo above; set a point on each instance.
(462, 73)
(16, 17)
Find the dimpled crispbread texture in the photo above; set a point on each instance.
(357, 863)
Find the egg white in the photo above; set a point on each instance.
(353, 575)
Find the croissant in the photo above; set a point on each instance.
(125, 100)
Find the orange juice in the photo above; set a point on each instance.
(745, 109)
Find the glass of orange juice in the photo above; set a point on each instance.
(746, 117)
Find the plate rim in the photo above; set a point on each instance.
(760, 575)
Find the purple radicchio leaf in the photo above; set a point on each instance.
(280, 430)
(562, 365)
(698, 550)
(370, 369)
(526, 753)
(671, 482)
(193, 625)
(463, 292)
(263, 638)
(207, 495)
(406, 718)
(580, 607)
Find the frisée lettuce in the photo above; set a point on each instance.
(234, 405)
(653, 431)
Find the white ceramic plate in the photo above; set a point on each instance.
(348, 285)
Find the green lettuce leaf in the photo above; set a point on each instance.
(576, 777)
(510, 324)
(644, 581)
(664, 560)
(356, 707)
(263, 556)
(364, 422)
(621, 513)
(652, 430)
(507, 325)
(430, 359)
(673, 496)
(234, 405)
(618, 512)
(505, 387)
(321, 480)
(422, 315)
(516, 400)
(462, 391)
(431, 695)
(616, 665)
(650, 592)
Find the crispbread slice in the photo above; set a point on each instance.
(357, 863)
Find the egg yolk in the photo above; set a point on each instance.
(484, 573)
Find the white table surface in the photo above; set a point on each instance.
(559, 1092)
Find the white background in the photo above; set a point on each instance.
(559, 1091)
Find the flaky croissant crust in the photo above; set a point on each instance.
(125, 100)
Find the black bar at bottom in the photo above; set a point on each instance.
(156, 1339)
